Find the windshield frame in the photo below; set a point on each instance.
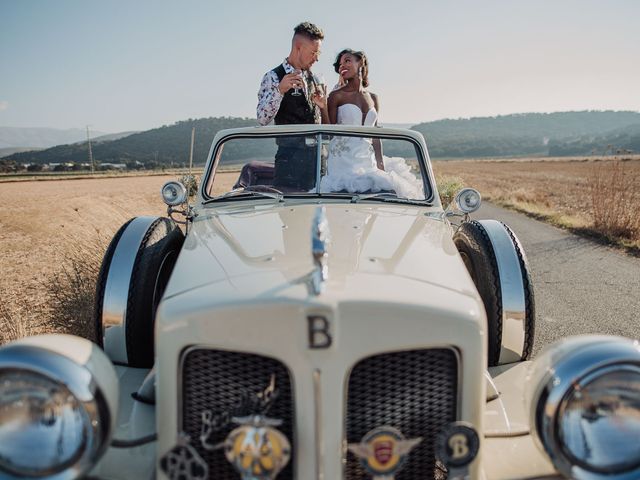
(318, 131)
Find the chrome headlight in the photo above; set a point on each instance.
(55, 419)
(468, 200)
(174, 193)
(586, 408)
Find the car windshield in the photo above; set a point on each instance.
(363, 168)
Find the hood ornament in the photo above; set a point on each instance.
(256, 449)
(383, 451)
(319, 240)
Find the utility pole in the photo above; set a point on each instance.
(193, 135)
(90, 153)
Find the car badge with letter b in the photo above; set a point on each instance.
(383, 451)
(457, 446)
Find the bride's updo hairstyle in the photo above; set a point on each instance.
(362, 58)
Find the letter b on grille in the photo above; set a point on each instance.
(319, 332)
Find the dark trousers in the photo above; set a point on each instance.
(295, 167)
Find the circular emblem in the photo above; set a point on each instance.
(258, 452)
(458, 444)
(383, 451)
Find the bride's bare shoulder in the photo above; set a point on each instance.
(336, 97)
(337, 93)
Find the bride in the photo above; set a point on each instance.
(357, 165)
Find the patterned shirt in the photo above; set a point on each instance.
(269, 96)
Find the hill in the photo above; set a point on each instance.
(572, 133)
(526, 134)
(19, 137)
(618, 141)
(5, 152)
(165, 145)
(108, 137)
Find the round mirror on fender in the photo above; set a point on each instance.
(468, 200)
(174, 193)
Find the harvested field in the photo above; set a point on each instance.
(46, 226)
(559, 191)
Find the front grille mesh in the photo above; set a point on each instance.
(216, 380)
(414, 391)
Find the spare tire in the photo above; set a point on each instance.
(511, 332)
(134, 274)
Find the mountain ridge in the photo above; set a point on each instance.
(523, 134)
(42, 137)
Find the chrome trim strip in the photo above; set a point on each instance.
(116, 291)
(82, 385)
(512, 292)
(317, 393)
(492, 390)
(319, 240)
(318, 162)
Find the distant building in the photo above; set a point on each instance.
(113, 166)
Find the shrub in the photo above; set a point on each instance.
(448, 186)
(615, 198)
(72, 291)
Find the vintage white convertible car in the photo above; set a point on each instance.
(317, 316)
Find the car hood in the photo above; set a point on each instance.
(247, 252)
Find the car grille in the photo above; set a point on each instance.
(218, 381)
(414, 391)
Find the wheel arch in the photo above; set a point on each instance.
(130, 264)
(504, 283)
(512, 271)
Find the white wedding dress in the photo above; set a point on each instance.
(351, 163)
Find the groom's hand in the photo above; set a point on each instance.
(289, 81)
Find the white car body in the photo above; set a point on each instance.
(396, 283)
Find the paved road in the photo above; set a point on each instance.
(580, 286)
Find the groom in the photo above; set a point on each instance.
(295, 162)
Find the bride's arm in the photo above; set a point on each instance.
(377, 144)
(333, 107)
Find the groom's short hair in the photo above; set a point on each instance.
(309, 30)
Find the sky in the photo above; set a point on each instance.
(123, 65)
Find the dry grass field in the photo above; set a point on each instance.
(53, 233)
(598, 197)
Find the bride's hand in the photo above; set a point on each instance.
(320, 99)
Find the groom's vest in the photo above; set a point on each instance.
(293, 109)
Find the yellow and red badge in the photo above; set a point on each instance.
(383, 451)
(256, 449)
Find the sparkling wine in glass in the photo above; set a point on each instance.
(319, 83)
(296, 92)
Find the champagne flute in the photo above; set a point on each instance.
(319, 83)
(296, 92)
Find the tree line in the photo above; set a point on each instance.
(529, 134)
